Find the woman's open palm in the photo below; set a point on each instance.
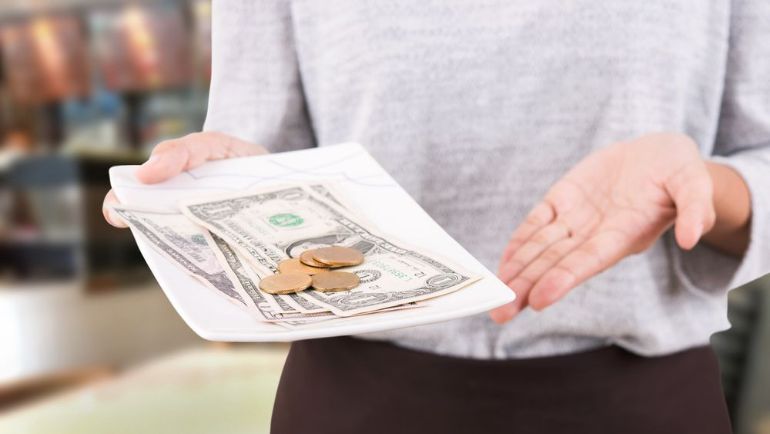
(616, 202)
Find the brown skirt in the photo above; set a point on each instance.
(348, 385)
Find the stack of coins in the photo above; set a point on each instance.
(313, 269)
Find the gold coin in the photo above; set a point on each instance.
(307, 258)
(294, 265)
(338, 256)
(331, 281)
(285, 283)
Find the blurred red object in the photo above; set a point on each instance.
(201, 13)
(45, 59)
(142, 47)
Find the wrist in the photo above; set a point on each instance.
(732, 204)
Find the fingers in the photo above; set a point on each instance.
(109, 200)
(168, 159)
(505, 313)
(589, 258)
(691, 191)
(542, 251)
(535, 237)
(524, 281)
(172, 157)
(532, 248)
(541, 215)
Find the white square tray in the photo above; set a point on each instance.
(366, 185)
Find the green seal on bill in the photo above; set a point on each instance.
(286, 220)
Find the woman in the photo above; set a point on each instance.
(543, 119)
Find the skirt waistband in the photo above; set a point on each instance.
(379, 387)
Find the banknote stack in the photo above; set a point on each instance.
(232, 242)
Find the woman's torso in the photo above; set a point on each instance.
(477, 107)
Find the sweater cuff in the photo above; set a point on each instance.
(708, 270)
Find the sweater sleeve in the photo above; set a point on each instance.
(743, 143)
(256, 91)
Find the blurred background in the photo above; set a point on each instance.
(88, 342)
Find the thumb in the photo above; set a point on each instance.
(109, 200)
(164, 163)
(171, 157)
(692, 193)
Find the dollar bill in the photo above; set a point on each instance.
(209, 259)
(184, 243)
(275, 223)
(212, 261)
(302, 304)
(276, 302)
(244, 277)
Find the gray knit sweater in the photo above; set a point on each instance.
(477, 106)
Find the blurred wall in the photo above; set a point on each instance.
(84, 85)
(58, 327)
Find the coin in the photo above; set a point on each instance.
(331, 281)
(285, 283)
(307, 258)
(294, 265)
(337, 256)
